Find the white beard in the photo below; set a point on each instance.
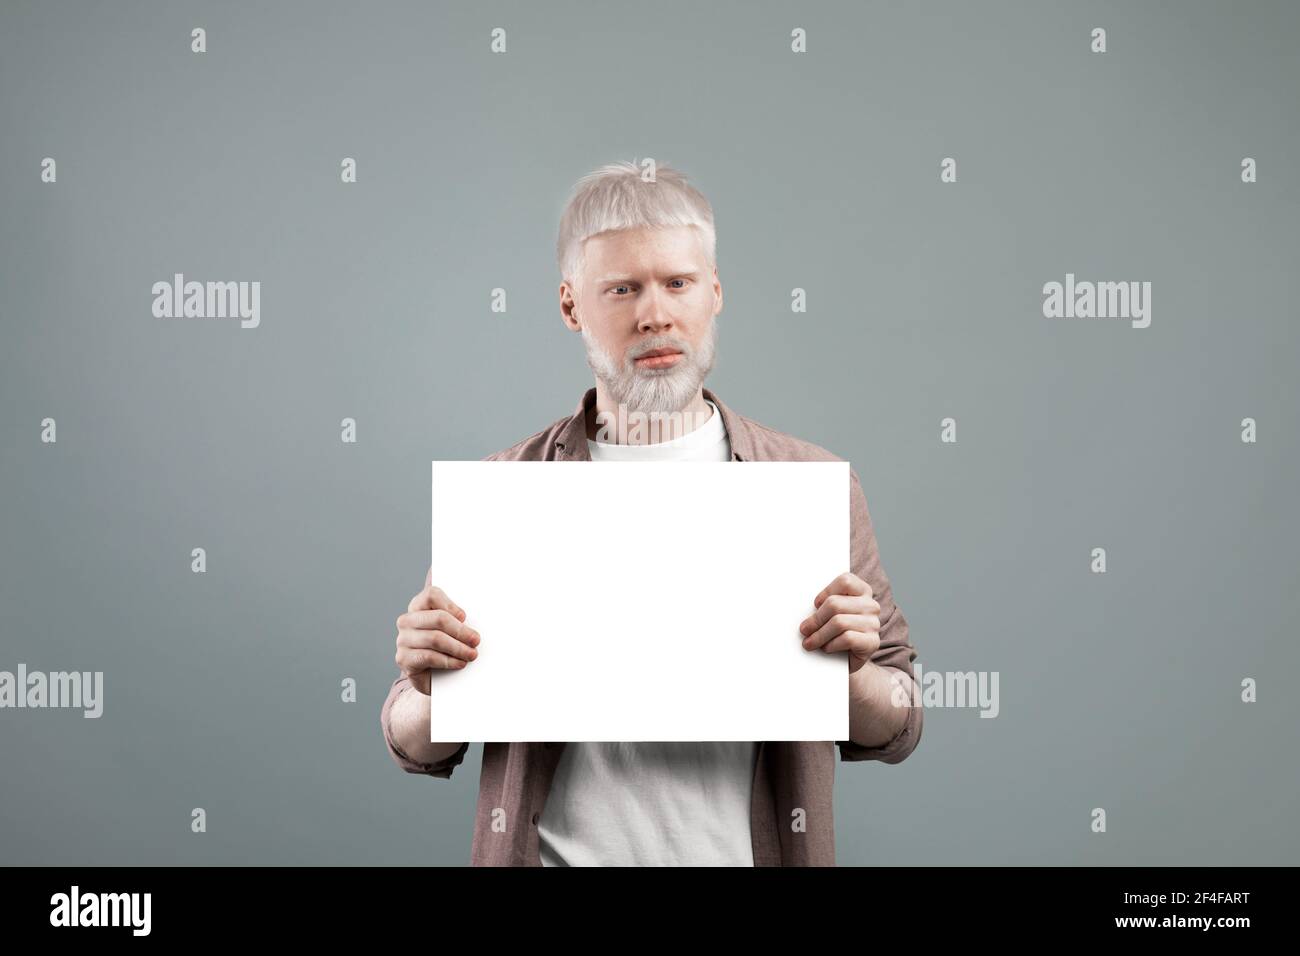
(654, 390)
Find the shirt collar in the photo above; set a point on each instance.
(571, 443)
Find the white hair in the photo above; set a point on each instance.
(615, 197)
(654, 390)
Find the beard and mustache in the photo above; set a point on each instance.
(654, 390)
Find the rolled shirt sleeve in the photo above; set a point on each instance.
(896, 648)
(442, 768)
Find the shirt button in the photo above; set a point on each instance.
(536, 817)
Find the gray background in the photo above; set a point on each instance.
(222, 689)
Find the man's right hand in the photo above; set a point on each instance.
(432, 635)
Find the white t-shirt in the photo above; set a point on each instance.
(707, 443)
(660, 803)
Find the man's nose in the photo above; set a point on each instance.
(654, 318)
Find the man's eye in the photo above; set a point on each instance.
(682, 281)
(617, 287)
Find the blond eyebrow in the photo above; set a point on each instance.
(684, 274)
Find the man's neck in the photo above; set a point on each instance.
(607, 423)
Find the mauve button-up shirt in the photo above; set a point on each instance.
(789, 775)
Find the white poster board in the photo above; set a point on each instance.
(640, 600)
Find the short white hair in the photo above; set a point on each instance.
(615, 197)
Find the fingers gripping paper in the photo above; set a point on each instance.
(640, 600)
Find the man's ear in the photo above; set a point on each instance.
(569, 309)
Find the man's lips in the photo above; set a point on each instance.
(659, 358)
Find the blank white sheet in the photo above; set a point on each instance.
(627, 601)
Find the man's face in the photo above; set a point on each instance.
(646, 303)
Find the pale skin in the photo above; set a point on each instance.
(640, 283)
(637, 284)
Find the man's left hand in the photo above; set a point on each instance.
(847, 619)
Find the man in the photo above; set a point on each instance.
(640, 283)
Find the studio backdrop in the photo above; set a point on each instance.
(1029, 267)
